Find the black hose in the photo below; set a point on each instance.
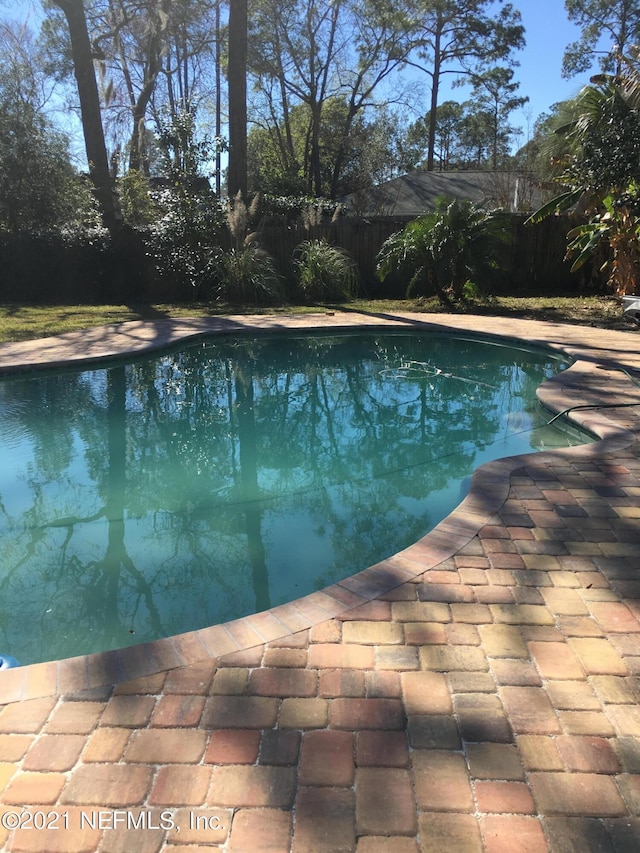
(600, 405)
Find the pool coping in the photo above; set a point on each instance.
(595, 378)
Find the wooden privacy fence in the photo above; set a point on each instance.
(534, 254)
(47, 269)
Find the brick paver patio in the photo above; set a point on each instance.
(478, 691)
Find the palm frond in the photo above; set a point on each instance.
(561, 202)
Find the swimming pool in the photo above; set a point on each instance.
(145, 499)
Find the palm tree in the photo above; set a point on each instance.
(444, 250)
(600, 173)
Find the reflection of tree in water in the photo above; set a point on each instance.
(248, 451)
(158, 495)
(102, 595)
(95, 612)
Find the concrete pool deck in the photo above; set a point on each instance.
(478, 691)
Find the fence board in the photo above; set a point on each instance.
(46, 269)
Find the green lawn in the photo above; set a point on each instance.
(25, 322)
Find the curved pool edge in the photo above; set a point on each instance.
(593, 379)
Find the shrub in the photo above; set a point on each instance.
(182, 243)
(291, 208)
(138, 208)
(324, 273)
(247, 275)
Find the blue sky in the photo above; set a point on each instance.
(547, 31)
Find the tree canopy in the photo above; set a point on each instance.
(462, 38)
(38, 187)
(321, 98)
(608, 28)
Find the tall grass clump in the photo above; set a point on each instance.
(324, 273)
(246, 273)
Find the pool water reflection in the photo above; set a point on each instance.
(195, 486)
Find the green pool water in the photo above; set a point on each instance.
(144, 499)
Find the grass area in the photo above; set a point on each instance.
(26, 322)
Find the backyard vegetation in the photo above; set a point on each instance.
(155, 222)
(453, 251)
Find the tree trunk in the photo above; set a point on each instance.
(433, 118)
(237, 174)
(138, 159)
(218, 103)
(315, 163)
(342, 150)
(90, 111)
(287, 146)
